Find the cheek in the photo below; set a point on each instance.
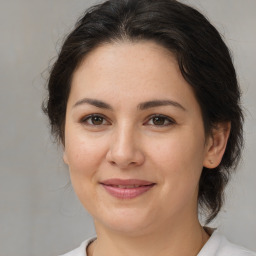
(186, 150)
(179, 160)
(84, 155)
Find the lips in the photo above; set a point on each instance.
(129, 182)
(126, 189)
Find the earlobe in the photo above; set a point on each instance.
(65, 159)
(216, 145)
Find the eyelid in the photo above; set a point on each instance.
(170, 120)
(87, 117)
(84, 120)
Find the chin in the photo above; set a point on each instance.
(128, 222)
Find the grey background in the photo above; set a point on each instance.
(39, 213)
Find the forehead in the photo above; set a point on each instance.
(127, 69)
(143, 55)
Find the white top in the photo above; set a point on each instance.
(217, 245)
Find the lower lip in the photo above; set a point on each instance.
(127, 193)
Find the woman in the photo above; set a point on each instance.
(145, 100)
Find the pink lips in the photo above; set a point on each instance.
(126, 189)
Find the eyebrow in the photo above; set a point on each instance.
(94, 102)
(159, 103)
(141, 106)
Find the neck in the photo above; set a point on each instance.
(174, 239)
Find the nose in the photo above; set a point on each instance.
(124, 150)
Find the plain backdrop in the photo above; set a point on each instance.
(39, 213)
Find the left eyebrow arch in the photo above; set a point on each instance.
(159, 103)
(94, 102)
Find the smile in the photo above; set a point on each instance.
(126, 189)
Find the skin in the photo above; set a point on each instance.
(125, 142)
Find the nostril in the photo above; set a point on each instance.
(123, 165)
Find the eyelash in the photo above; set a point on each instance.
(85, 119)
(165, 118)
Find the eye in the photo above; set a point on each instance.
(160, 120)
(94, 120)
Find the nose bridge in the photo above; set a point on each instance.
(124, 140)
(124, 149)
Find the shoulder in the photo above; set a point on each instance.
(81, 250)
(219, 245)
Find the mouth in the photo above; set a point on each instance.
(127, 189)
(126, 186)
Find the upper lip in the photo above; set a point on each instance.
(126, 182)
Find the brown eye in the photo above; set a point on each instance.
(94, 120)
(97, 120)
(160, 121)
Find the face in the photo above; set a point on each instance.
(134, 138)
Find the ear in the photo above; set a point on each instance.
(65, 158)
(216, 145)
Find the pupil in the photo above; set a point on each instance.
(158, 120)
(97, 120)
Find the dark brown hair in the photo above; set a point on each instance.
(204, 61)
